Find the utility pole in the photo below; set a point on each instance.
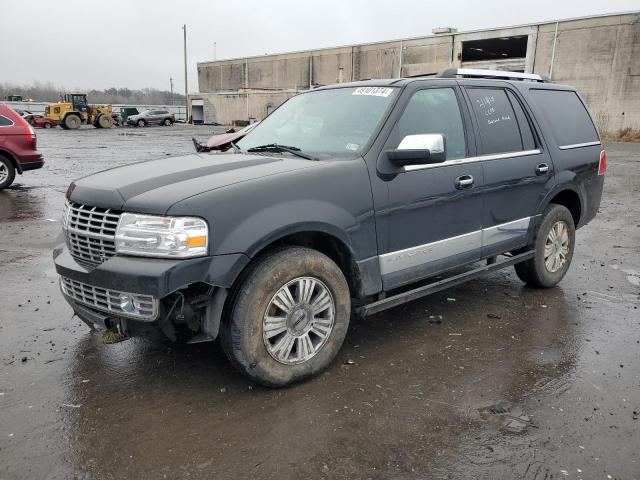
(171, 96)
(215, 48)
(186, 87)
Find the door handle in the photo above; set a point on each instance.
(464, 181)
(542, 169)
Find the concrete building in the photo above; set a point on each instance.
(598, 55)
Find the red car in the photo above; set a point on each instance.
(18, 151)
(39, 121)
(224, 141)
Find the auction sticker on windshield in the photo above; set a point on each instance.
(373, 91)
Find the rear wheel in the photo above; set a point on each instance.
(7, 172)
(554, 246)
(72, 121)
(47, 125)
(167, 122)
(288, 318)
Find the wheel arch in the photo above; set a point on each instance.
(569, 197)
(12, 159)
(326, 239)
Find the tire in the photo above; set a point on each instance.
(167, 122)
(7, 172)
(248, 345)
(72, 122)
(104, 121)
(141, 123)
(553, 251)
(47, 125)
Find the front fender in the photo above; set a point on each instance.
(267, 225)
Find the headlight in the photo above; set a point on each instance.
(168, 237)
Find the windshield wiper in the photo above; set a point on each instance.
(274, 147)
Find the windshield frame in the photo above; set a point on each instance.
(375, 131)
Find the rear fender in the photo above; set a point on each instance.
(12, 159)
(565, 180)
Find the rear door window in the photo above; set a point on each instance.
(497, 121)
(567, 116)
(435, 110)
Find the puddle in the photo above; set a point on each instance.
(507, 417)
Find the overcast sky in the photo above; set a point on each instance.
(138, 43)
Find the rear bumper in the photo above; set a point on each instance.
(32, 165)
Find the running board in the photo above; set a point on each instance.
(430, 288)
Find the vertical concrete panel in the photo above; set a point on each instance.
(623, 95)
(544, 48)
(584, 59)
(378, 61)
(327, 64)
(426, 56)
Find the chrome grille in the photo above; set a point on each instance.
(90, 232)
(109, 300)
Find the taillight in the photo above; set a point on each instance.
(602, 166)
(29, 134)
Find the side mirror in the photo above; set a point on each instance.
(419, 150)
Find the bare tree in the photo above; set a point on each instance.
(48, 92)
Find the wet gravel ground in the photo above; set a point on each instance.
(487, 380)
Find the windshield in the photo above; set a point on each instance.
(336, 122)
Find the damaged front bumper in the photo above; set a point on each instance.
(133, 295)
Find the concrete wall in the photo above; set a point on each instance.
(601, 58)
(598, 55)
(224, 108)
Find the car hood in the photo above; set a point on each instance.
(154, 186)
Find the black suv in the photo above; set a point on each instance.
(347, 198)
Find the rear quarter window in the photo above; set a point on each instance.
(5, 122)
(566, 115)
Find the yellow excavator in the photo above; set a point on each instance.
(73, 111)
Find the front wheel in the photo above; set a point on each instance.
(289, 317)
(554, 247)
(104, 121)
(72, 121)
(141, 123)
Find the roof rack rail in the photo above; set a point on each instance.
(483, 73)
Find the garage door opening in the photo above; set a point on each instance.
(504, 53)
(197, 111)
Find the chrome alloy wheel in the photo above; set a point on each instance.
(556, 247)
(4, 172)
(298, 321)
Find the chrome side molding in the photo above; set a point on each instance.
(481, 158)
(579, 145)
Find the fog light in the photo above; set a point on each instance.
(128, 303)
